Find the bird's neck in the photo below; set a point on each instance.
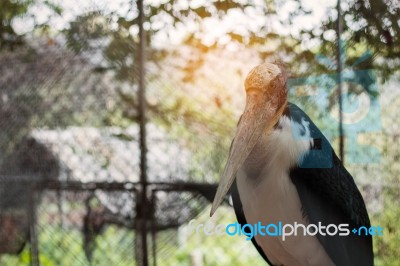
(280, 149)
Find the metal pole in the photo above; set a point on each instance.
(153, 227)
(143, 147)
(340, 89)
(34, 250)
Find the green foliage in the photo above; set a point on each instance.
(386, 247)
(60, 246)
(87, 31)
(12, 9)
(9, 10)
(367, 26)
(214, 250)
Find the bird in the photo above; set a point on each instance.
(282, 169)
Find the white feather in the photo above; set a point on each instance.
(269, 196)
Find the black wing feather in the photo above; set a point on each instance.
(330, 196)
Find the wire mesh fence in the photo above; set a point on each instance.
(87, 224)
(74, 223)
(70, 191)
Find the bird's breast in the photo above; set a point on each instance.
(280, 149)
(268, 196)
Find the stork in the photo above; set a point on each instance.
(273, 174)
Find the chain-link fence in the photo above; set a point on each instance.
(72, 189)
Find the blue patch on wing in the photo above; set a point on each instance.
(320, 154)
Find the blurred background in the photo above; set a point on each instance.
(116, 118)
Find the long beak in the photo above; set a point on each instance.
(260, 115)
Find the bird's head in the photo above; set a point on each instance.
(266, 100)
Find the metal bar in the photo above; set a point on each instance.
(34, 249)
(153, 228)
(189, 188)
(339, 70)
(107, 186)
(74, 185)
(143, 145)
(142, 96)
